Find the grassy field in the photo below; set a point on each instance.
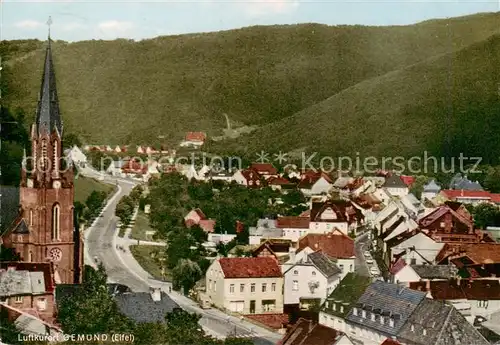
(140, 227)
(332, 87)
(84, 186)
(143, 256)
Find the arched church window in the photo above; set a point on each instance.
(56, 219)
(31, 217)
(30, 256)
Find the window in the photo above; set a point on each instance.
(373, 317)
(355, 311)
(56, 218)
(363, 314)
(295, 272)
(341, 268)
(391, 322)
(264, 287)
(44, 155)
(242, 287)
(341, 308)
(412, 328)
(273, 287)
(350, 268)
(42, 304)
(56, 159)
(231, 288)
(19, 299)
(295, 285)
(30, 256)
(441, 224)
(252, 287)
(424, 332)
(215, 286)
(31, 217)
(413, 261)
(313, 273)
(268, 305)
(334, 306)
(381, 320)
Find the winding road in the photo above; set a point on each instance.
(100, 242)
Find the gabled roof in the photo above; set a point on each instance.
(309, 178)
(255, 267)
(346, 293)
(305, 332)
(407, 180)
(292, 222)
(443, 325)
(48, 118)
(344, 211)
(195, 136)
(21, 228)
(264, 168)
(278, 181)
(394, 181)
(440, 212)
(335, 244)
(477, 253)
(390, 341)
(432, 187)
(384, 300)
(435, 271)
(459, 182)
(140, 306)
(324, 264)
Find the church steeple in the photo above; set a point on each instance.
(48, 117)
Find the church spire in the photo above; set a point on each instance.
(48, 118)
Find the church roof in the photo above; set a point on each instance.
(21, 228)
(47, 115)
(10, 206)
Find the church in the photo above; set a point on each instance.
(45, 229)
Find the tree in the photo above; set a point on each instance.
(485, 215)
(71, 140)
(136, 193)
(418, 185)
(9, 333)
(185, 275)
(92, 310)
(492, 179)
(238, 341)
(8, 254)
(183, 328)
(125, 209)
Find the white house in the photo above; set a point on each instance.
(220, 238)
(246, 285)
(293, 227)
(420, 249)
(311, 278)
(315, 183)
(115, 168)
(395, 186)
(418, 273)
(430, 191)
(77, 156)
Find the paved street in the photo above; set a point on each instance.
(361, 244)
(101, 240)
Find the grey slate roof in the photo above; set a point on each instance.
(432, 186)
(14, 282)
(443, 325)
(459, 182)
(10, 206)
(435, 271)
(394, 181)
(140, 307)
(47, 115)
(326, 266)
(21, 228)
(386, 300)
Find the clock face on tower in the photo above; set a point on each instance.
(55, 254)
(56, 184)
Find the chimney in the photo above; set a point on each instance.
(156, 294)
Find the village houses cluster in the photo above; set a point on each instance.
(367, 263)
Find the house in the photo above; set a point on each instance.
(278, 249)
(472, 197)
(219, 175)
(473, 298)
(470, 254)
(141, 150)
(197, 217)
(336, 245)
(77, 156)
(341, 300)
(405, 274)
(280, 183)
(194, 139)
(418, 249)
(305, 332)
(246, 285)
(265, 229)
(408, 180)
(115, 168)
(412, 206)
(430, 190)
(395, 186)
(315, 183)
(460, 182)
(310, 279)
(145, 307)
(339, 214)
(293, 227)
(248, 178)
(220, 238)
(133, 168)
(29, 287)
(265, 170)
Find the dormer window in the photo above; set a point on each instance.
(381, 320)
(391, 322)
(341, 308)
(373, 317)
(334, 306)
(424, 331)
(412, 328)
(355, 311)
(363, 314)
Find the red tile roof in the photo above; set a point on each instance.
(455, 193)
(293, 222)
(397, 266)
(344, 211)
(408, 180)
(208, 225)
(278, 181)
(310, 177)
(264, 168)
(276, 321)
(305, 332)
(453, 289)
(334, 244)
(495, 198)
(134, 167)
(196, 136)
(255, 267)
(390, 341)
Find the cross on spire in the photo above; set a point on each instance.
(49, 23)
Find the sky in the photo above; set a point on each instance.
(84, 20)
